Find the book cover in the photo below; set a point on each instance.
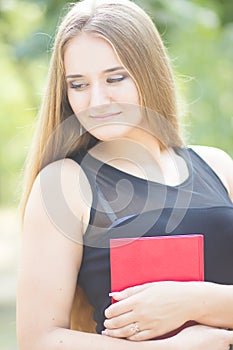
(151, 259)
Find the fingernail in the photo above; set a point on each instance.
(112, 294)
(105, 332)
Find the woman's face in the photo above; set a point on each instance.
(101, 92)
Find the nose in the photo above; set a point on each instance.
(99, 98)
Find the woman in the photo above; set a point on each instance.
(107, 156)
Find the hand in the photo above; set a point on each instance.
(147, 311)
(201, 338)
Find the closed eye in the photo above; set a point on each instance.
(116, 78)
(78, 86)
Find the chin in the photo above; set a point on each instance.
(111, 132)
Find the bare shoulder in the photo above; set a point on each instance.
(220, 162)
(64, 190)
(67, 176)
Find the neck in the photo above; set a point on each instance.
(137, 147)
(147, 142)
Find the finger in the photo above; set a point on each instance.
(118, 309)
(128, 292)
(119, 321)
(124, 332)
(142, 335)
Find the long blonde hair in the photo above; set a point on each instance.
(139, 47)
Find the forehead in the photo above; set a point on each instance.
(89, 54)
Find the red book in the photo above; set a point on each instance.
(136, 261)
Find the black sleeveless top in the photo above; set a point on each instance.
(128, 206)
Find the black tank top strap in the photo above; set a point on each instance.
(105, 204)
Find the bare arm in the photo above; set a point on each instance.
(50, 261)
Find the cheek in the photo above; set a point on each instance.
(129, 94)
(125, 92)
(78, 101)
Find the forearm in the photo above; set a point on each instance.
(213, 304)
(66, 339)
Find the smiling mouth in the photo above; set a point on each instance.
(104, 117)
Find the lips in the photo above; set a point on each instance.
(103, 117)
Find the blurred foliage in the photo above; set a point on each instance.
(198, 35)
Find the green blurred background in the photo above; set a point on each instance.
(199, 38)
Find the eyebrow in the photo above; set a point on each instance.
(110, 70)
